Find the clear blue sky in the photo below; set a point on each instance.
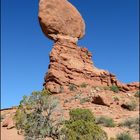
(111, 35)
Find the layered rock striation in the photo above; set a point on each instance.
(69, 63)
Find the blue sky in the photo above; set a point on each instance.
(111, 35)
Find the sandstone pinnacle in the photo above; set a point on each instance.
(61, 20)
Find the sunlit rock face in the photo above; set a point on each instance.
(60, 19)
(69, 63)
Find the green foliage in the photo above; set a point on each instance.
(34, 116)
(81, 126)
(114, 89)
(137, 94)
(105, 121)
(83, 85)
(81, 114)
(131, 123)
(124, 136)
(72, 87)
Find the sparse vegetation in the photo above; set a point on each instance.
(81, 126)
(34, 116)
(105, 121)
(114, 88)
(83, 85)
(131, 106)
(61, 89)
(72, 87)
(84, 100)
(116, 98)
(131, 123)
(137, 94)
(106, 88)
(124, 136)
(2, 117)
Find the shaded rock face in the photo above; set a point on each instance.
(60, 19)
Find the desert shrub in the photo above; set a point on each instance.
(137, 94)
(116, 98)
(124, 136)
(83, 85)
(34, 116)
(105, 121)
(112, 138)
(84, 100)
(114, 88)
(106, 88)
(2, 117)
(131, 106)
(81, 114)
(131, 123)
(61, 89)
(81, 126)
(72, 87)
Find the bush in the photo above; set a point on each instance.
(132, 123)
(81, 126)
(72, 87)
(2, 117)
(114, 89)
(105, 121)
(124, 136)
(131, 106)
(34, 116)
(84, 100)
(83, 85)
(115, 98)
(137, 94)
(81, 114)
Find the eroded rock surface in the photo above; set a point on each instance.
(60, 19)
(70, 64)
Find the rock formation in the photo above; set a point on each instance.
(70, 64)
(59, 19)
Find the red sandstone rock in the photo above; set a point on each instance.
(60, 20)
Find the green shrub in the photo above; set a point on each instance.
(124, 136)
(131, 123)
(81, 126)
(81, 114)
(114, 89)
(83, 85)
(137, 94)
(131, 106)
(34, 116)
(72, 87)
(83, 130)
(105, 121)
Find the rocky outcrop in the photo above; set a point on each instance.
(60, 19)
(70, 64)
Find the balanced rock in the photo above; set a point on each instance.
(60, 20)
(70, 65)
